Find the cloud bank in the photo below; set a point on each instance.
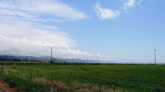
(23, 32)
(24, 39)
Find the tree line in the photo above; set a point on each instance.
(14, 58)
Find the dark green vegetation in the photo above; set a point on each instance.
(94, 78)
(24, 59)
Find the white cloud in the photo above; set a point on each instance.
(105, 13)
(36, 9)
(19, 38)
(131, 3)
(22, 31)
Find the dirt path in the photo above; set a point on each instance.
(4, 86)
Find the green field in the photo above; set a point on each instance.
(91, 78)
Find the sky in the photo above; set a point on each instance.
(112, 31)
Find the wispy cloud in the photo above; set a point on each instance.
(105, 13)
(34, 9)
(131, 3)
(139, 1)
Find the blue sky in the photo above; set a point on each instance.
(125, 31)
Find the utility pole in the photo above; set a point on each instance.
(87, 59)
(155, 55)
(51, 54)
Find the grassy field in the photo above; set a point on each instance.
(91, 78)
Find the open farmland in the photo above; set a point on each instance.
(91, 78)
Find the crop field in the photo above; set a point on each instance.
(86, 78)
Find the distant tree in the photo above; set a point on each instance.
(16, 59)
(25, 59)
(4, 58)
(51, 62)
(34, 60)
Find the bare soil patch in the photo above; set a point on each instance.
(6, 87)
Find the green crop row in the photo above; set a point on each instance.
(94, 78)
